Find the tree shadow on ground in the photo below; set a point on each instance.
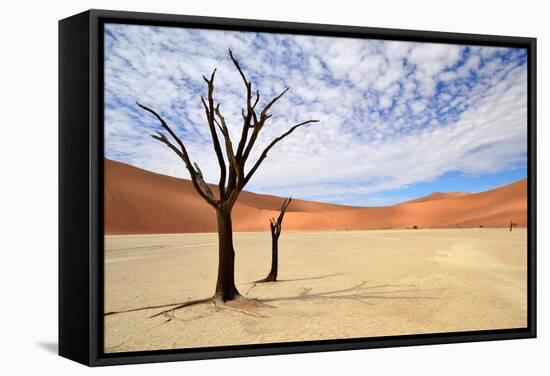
(309, 278)
(299, 279)
(360, 292)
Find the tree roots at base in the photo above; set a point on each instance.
(238, 303)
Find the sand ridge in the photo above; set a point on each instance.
(142, 202)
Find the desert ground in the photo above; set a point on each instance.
(333, 284)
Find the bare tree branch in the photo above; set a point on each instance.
(169, 130)
(276, 224)
(257, 128)
(244, 136)
(237, 159)
(285, 205)
(238, 66)
(257, 99)
(182, 153)
(162, 138)
(228, 144)
(271, 103)
(258, 125)
(273, 226)
(247, 117)
(200, 181)
(209, 109)
(268, 148)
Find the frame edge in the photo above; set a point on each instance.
(74, 246)
(87, 352)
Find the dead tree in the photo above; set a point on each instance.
(512, 224)
(275, 226)
(233, 175)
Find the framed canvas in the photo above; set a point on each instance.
(237, 187)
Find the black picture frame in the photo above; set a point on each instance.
(81, 184)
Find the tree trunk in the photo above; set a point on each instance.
(272, 276)
(225, 285)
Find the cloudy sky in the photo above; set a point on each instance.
(398, 120)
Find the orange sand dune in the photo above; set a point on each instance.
(142, 202)
(437, 196)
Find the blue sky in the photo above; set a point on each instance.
(398, 120)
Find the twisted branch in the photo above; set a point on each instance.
(230, 185)
(268, 148)
(182, 153)
(209, 109)
(276, 224)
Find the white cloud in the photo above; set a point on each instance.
(392, 113)
(418, 107)
(385, 102)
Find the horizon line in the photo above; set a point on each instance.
(214, 185)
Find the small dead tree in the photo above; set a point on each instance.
(233, 176)
(512, 225)
(275, 226)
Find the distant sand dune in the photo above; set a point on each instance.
(142, 202)
(437, 196)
